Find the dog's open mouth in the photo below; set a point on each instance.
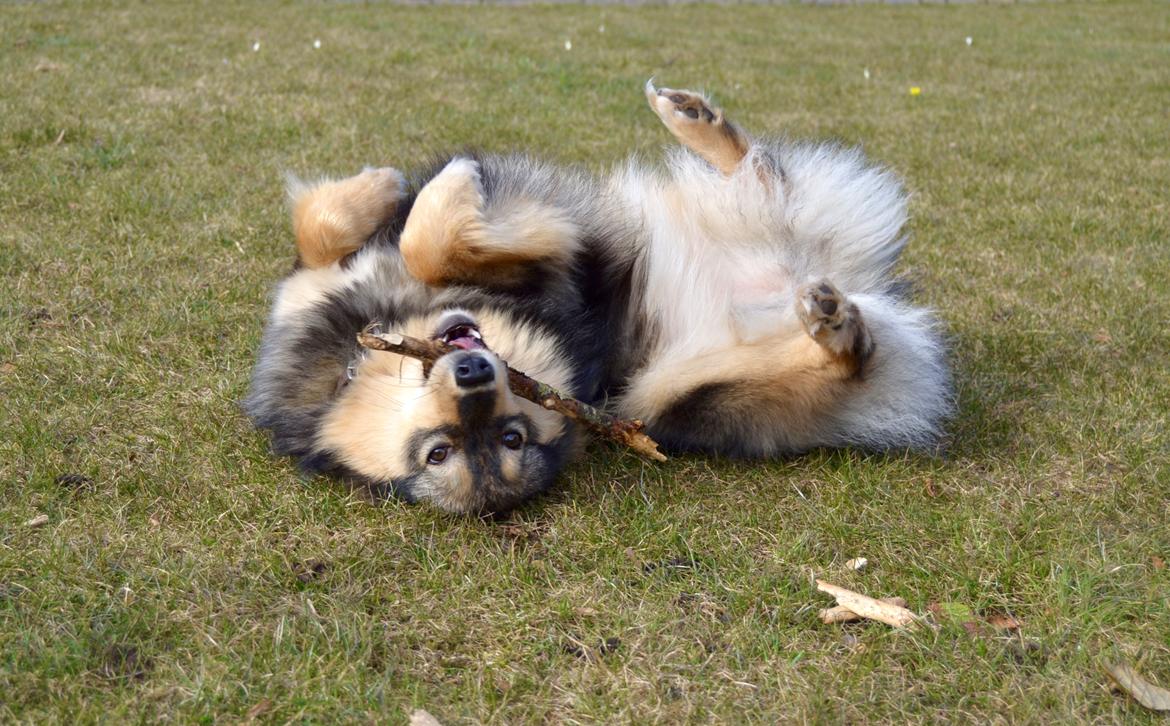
(461, 331)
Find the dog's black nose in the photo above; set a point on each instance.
(473, 370)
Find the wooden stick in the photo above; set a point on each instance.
(623, 431)
(869, 608)
(842, 614)
(1142, 691)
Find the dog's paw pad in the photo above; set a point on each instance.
(833, 321)
(689, 104)
(821, 306)
(681, 107)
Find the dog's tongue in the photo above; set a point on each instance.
(467, 342)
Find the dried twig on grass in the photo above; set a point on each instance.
(869, 608)
(623, 431)
(1144, 692)
(842, 614)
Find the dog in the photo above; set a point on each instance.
(741, 301)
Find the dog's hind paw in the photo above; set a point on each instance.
(681, 107)
(698, 126)
(833, 320)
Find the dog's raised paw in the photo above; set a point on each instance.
(833, 320)
(821, 306)
(681, 107)
(699, 126)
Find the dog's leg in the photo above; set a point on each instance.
(835, 323)
(334, 218)
(455, 234)
(761, 399)
(700, 128)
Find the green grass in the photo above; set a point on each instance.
(193, 577)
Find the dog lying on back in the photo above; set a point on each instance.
(739, 302)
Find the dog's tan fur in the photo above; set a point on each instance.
(331, 219)
(451, 235)
(699, 127)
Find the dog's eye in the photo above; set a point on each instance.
(438, 454)
(512, 439)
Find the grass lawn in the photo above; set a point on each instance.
(184, 574)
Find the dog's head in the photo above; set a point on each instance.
(452, 433)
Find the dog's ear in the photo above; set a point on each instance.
(334, 218)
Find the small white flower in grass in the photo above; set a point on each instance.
(969, 40)
(601, 28)
(317, 43)
(256, 47)
(568, 45)
(865, 73)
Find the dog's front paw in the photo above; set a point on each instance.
(833, 320)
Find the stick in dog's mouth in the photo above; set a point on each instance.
(623, 431)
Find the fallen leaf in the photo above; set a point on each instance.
(38, 521)
(1002, 621)
(261, 706)
(1144, 692)
(7, 368)
(420, 717)
(959, 614)
(1158, 562)
(969, 620)
(952, 611)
